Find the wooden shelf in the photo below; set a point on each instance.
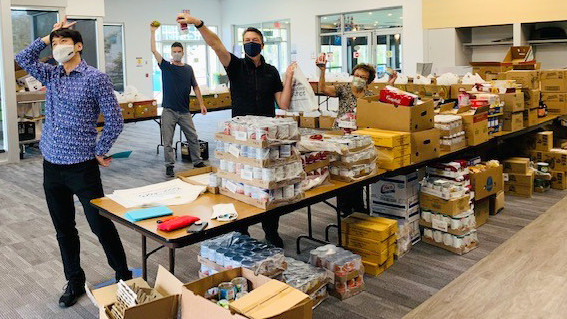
(550, 41)
(485, 44)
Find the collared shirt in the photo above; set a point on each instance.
(72, 104)
(253, 88)
(177, 83)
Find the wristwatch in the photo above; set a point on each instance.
(200, 25)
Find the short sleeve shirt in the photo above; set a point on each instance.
(253, 88)
(347, 100)
(177, 83)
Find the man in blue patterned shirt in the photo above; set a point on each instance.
(76, 94)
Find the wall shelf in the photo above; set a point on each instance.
(551, 41)
(483, 44)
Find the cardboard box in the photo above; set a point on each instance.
(518, 55)
(407, 210)
(519, 179)
(395, 163)
(397, 189)
(490, 70)
(553, 81)
(366, 245)
(544, 141)
(384, 138)
(417, 89)
(424, 145)
(389, 153)
(519, 190)
(145, 109)
(459, 251)
(481, 211)
(557, 158)
(517, 165)
(475, 122)
(185, 176)
(497, 203)
(128, 112)
(513, 102)
(488, 182)
(531, 99)
(376, 257)
(560, 143)
(355, 218)
(165, 307)
(556, 102)
(558, 180)
(431, 90)
(451, 207)
(513, 122)
(326, 122)
(377, 269)
(455, 89)
(528, 79)
(375, 114)
(530, 117)
(376, 87)
(308, 122)
(453, 147)
(290, 303)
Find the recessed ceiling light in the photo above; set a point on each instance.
(389, 14)
(369, 12)
(401, 17)
(324, 18)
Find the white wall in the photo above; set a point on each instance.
(89, 8)
(137, 15)
(303, 18)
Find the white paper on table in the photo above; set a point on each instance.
(174, 192)
(203, 179)
(227, 210)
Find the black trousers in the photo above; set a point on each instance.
(269, 225)
(60, 183)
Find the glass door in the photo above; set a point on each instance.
(388, 51)
(358, 49)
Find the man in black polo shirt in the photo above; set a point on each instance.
(255, 87)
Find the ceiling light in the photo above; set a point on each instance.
(389, 14)
(369, 12)
(401, 17)
(397, 36)
(324, 18)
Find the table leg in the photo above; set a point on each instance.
(310, 233)
(171, 260)
(339, 235)
(144, 259)
(160, 136)
(368, 199)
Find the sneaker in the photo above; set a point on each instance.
(169, 171)
(200, 165)
(72, 293)
(124, 277)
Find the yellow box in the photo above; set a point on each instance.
(384, 138)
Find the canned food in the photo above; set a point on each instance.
(227, 291)
(241, 284)
(274, 153)
(262, 133)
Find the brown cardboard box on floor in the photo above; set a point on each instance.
(517, 165)
(557, 158)
(558, 180)
(371, 113)
(451, 207)
(195, 306)
(560, 143)
(528, 79)
(519, 179)
(165, 307)
(556, 102)
(497, 203)
(544, 141)
(553, 80)
(513, 102)
(488, 182)
(424, 145)
(530, 117)
(481, 211)
(519, 190)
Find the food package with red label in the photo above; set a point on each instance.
(395, 96)
(177, 222)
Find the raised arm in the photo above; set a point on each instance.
(209, 36)
(322, 87)
(158, 56)
(283, 98)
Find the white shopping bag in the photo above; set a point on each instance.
(303, 98)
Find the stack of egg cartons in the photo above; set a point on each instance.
(259, 161)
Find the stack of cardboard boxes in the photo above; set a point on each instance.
(393, 147)
(556, 158)
(373, 238)
(513, 107)
(475, 122)
(487, 183)
(397, 198)
(518, 177)
(554, 91)
(417, 120)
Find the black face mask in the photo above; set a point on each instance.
(252, 49)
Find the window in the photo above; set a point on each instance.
(28, 25)
(114, 55)
(198, 54)
(362, 37)
(277, 51)
(87, 28)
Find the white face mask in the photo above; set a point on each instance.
(63, 52)
(177, 57)
(358, 83)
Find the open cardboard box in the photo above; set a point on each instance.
(488, 182)
(185, 176)
(165, 307)
(267, 299)
(371, 113)
(475, 122)
(424, 145)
